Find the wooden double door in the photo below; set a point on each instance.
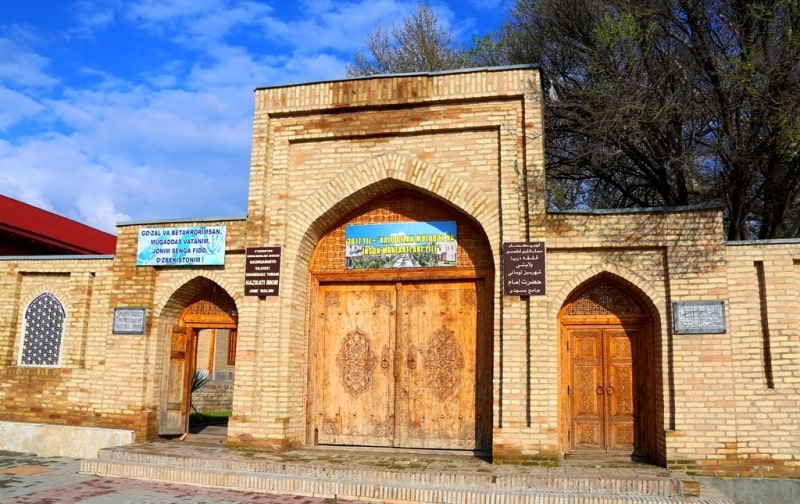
(403, 365)
(603, 390)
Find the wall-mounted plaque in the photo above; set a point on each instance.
(523, 269)
(262, 271)
(129, 320)
(699, 317)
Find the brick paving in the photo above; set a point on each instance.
(28, 479)
(215, 475)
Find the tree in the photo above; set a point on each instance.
(652, 103)
(418, 44)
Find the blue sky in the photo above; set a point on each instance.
(130, 110)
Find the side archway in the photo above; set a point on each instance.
(608, 370)
(199, 324)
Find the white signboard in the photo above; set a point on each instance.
(129, 320)
(699, 317)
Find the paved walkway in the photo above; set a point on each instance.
(28, 479)
(149, 473)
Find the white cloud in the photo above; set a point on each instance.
(98, 210)
(16, 107)
(172, 140)
(21, 66)
(90, 17)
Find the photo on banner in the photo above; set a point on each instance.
(401, 245)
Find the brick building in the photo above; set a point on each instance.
(398, 282)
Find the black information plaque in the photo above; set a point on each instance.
(129, 321)
(699, 317)
(262, 271)
(523, 269)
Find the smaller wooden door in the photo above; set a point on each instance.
(177, 379)
(601, 388)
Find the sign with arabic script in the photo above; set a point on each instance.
(523, 269)
(699, 317)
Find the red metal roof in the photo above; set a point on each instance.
(28, 230)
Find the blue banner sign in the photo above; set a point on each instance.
(184, 246)
(400, 245)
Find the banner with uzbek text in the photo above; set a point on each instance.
(401, 245)
(181, 246)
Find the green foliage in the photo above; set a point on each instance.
(652, 103)
(209, 417)
(200, 378)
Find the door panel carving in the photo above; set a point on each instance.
(601, 388)
(436, 399)
(354, 387)
(587, 396)
(396, 366)
(619, 388)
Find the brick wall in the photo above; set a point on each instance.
(74, 392)
(764, 337)
(214, 396)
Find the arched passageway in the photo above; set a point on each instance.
(607, 372)
(209, 322)
(402, 353)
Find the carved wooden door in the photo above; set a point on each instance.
(601, 388)
(396, 366)
(177, 381)
(436, 367)
(355, 337)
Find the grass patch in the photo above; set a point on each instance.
(209, 417)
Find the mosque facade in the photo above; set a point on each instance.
(399, 283)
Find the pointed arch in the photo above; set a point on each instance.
(382, 175)
(630, 280)
(611, 401)
(442, 337)
(192, 314)
(177, 297)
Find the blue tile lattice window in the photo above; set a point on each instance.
(44, 327)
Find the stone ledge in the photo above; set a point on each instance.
(60, 440)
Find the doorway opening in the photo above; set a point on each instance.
(199, 376)
(608, 393)
(401, 353)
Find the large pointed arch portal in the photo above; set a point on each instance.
(402, 356)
